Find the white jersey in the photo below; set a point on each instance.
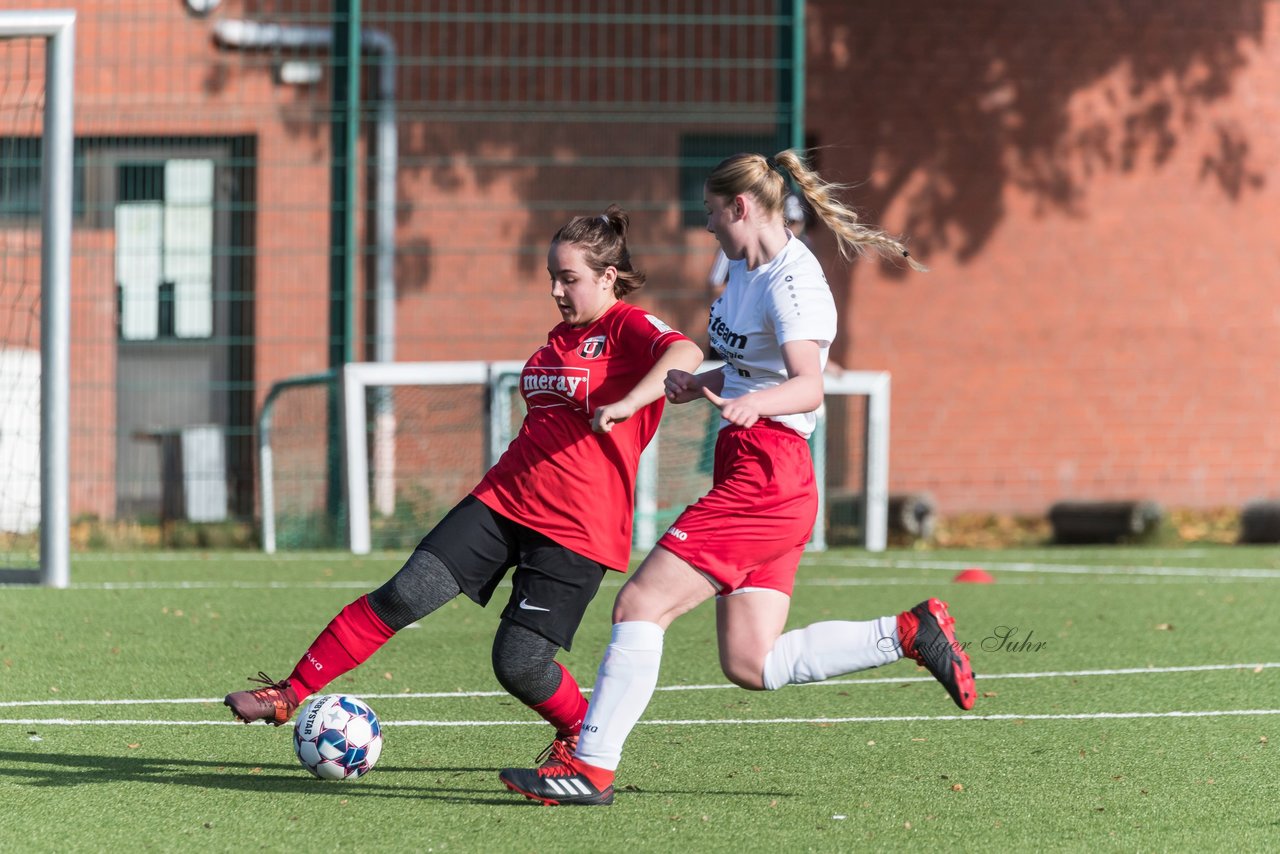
(786, 299)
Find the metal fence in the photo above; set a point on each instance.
(265, 190)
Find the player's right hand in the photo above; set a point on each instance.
(740, 411)
(682, 386)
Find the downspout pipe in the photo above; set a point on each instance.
(253, 35)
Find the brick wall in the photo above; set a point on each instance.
(1094, 185)
(1095, 188)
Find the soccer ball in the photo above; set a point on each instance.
(337, 737)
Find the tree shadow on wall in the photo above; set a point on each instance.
(940, 117)
(1038, 97)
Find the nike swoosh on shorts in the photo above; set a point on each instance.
(525, 606)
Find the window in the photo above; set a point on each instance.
(164, 249)
(20, 179)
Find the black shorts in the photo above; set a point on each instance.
(552, 585)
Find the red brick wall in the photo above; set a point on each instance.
(1093, 184)
(1095, 188)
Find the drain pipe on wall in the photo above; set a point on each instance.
(252, 35)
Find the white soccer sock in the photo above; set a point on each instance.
(625, 683)
(822, 650)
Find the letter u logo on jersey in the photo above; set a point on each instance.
(592, 347)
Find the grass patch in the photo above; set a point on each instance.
(1124, 706)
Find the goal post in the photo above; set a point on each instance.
(356, 379)
(56, 27)
(875, 386)
(266, 456)
(681, 446)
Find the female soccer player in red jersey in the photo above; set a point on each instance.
(743, 540)
(594, 394)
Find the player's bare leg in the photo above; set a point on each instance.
(748, 624)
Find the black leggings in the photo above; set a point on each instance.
(523, 660)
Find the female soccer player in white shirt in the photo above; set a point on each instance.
(742, 541)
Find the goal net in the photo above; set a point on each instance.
(36, 63)
(416, 437)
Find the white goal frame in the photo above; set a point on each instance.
(357, 377)
(57, 27)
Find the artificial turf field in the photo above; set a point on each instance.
(1129, 701)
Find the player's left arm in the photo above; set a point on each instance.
(680, 355)
(802, 391)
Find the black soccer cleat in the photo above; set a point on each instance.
(927, 634)
(557, 784)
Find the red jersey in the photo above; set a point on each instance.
(558, 476)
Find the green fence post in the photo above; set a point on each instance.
(342, 259)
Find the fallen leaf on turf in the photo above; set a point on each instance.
(1164, 627)
(958, 787)
(134, 746)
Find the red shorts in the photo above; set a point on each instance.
(751, 528)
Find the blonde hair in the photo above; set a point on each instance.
(765, 179)
(603, 240)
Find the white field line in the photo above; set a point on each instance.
(870, 719)
(995, 566)
(1074, 573)
(467, 695)
(1105, 575)
(338, 557)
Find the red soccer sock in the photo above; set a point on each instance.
(908, 623)
(347, 642)
(566, 708)
(601, 778)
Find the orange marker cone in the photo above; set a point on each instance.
(974, 575)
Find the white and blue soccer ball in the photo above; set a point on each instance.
(337, 737)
